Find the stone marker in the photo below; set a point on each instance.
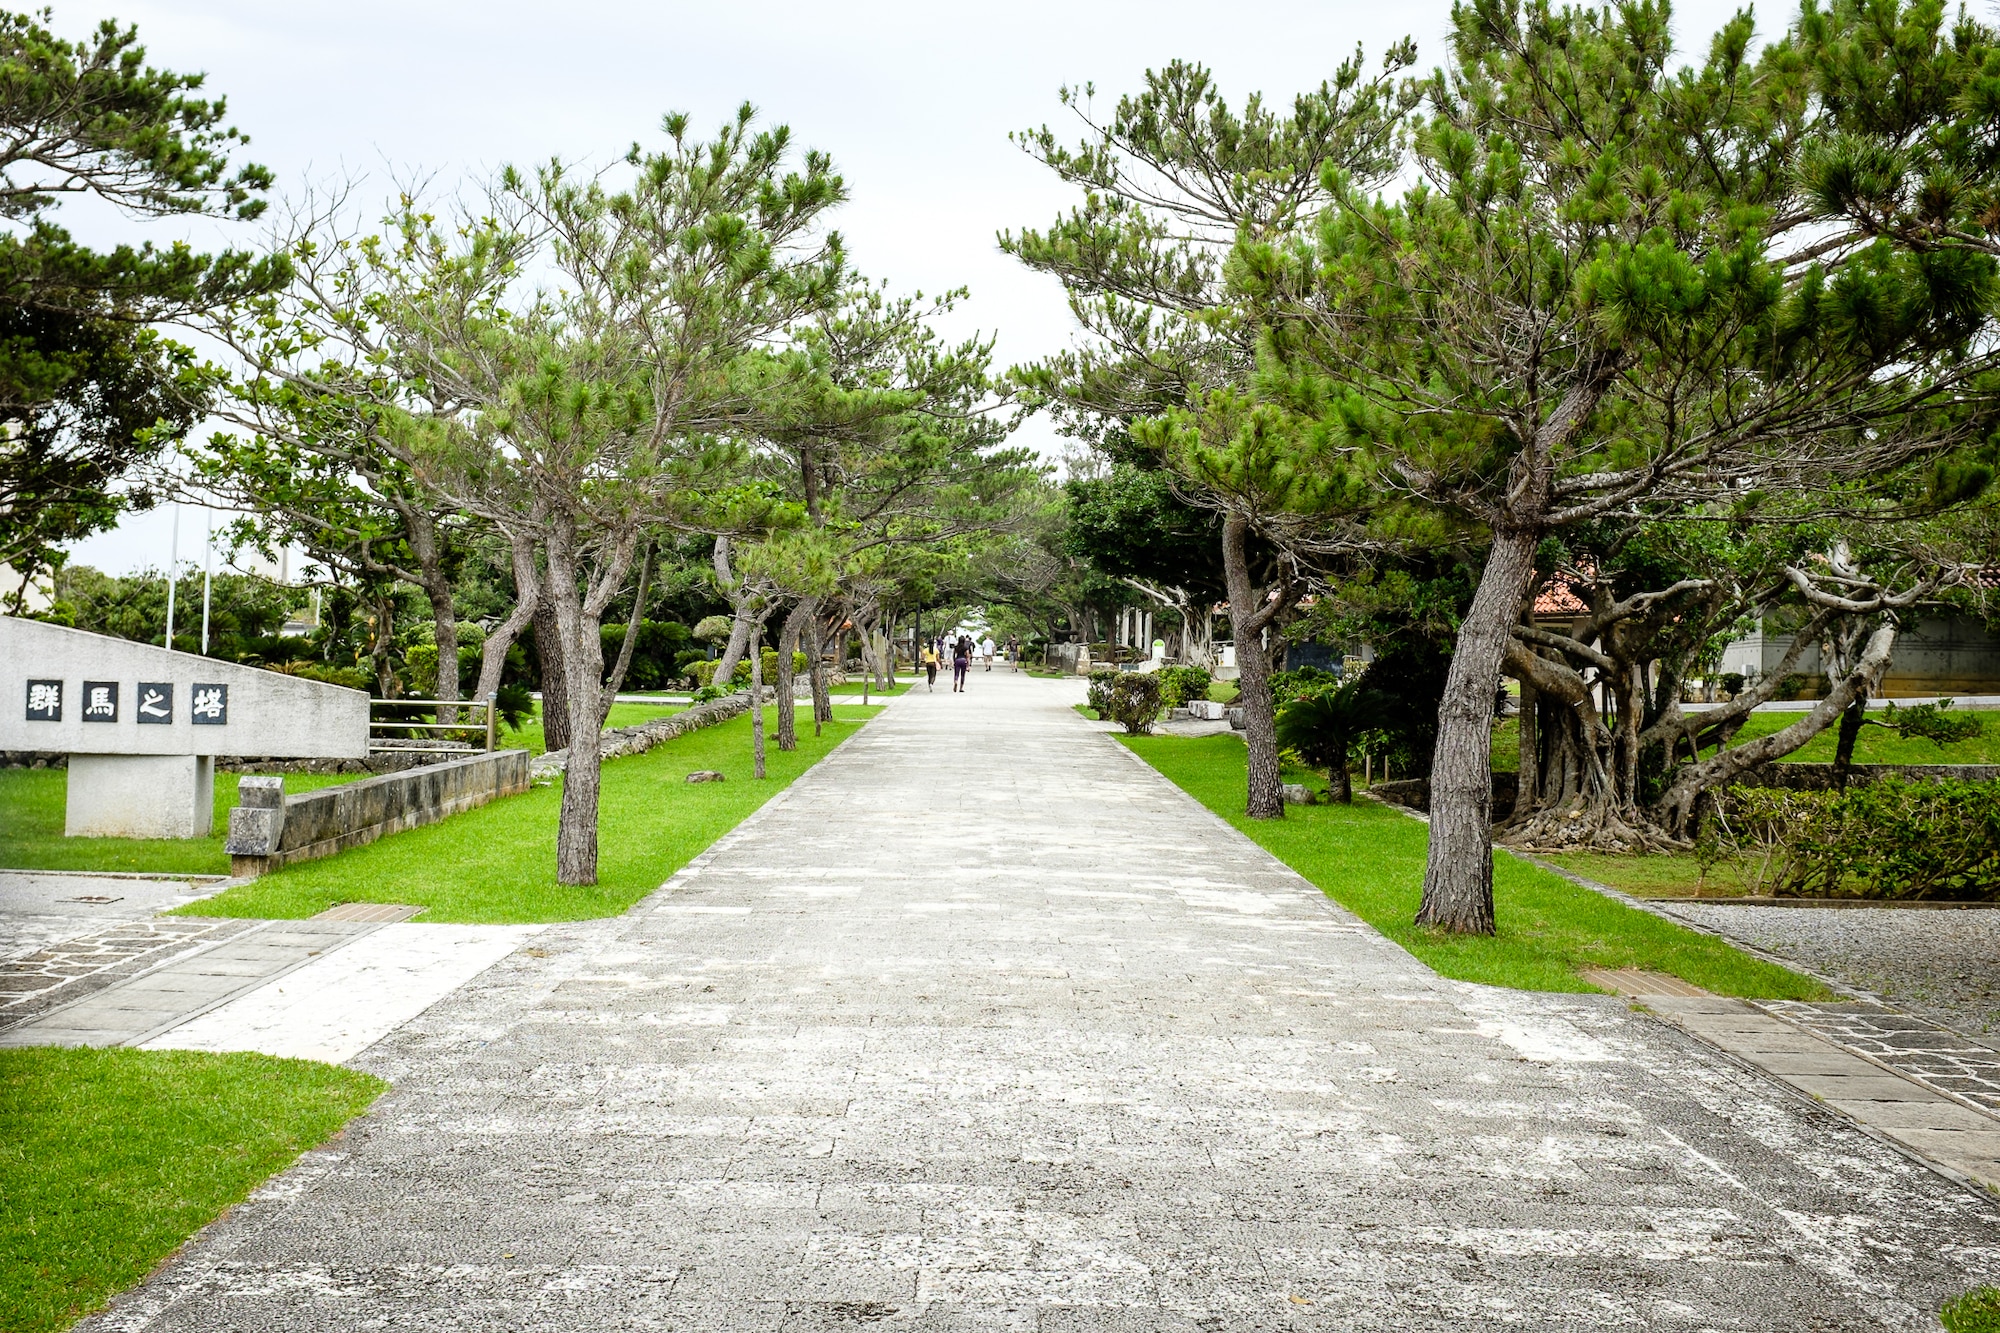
(705, 775)
(142, 725)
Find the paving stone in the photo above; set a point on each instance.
(983, 1025)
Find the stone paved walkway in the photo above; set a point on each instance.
(984, 1026)
(1918, 1049)
(64, 936)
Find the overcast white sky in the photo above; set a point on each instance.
(913, 101)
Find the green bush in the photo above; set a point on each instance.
(704, 672)
(1977, 1311)
(655, 657)
(1180, 684)
(354, 678)
(1891, 839)
(685, 660)
(1099, 698)
(1133, 701)
(1322, 723)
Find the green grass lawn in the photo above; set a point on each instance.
(497, 863)
(1370, 860)
(1653, 875)
(853, 687)
(112, 1158)
(31, 829)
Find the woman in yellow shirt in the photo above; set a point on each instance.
(930, 668)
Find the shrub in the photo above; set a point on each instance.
(1133, 701)
(1322, 724)
(1181, 684)
(1294, 684)
(1890, 839)
(354, 678)
(1977, 1311)
(514, 705)
(1935, 723)
(1733, 683)
(684, 663)
(1099, 698)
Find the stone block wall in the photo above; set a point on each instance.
(269, 829)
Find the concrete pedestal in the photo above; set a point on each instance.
(140, 796)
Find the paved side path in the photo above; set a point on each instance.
(986, 1027)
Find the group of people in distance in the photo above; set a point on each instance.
(961, 650)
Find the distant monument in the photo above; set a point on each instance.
(142, 725)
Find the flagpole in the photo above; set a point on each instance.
(173, 562)
(207, 561)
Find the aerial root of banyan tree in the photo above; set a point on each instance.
(1587, 826)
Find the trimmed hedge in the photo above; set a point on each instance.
(1893, 839)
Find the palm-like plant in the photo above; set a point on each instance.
(1322, 723)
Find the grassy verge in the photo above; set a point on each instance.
(1370, 860)
(112, 1158)
(497, 863)
(1654, 875)
(853, 688)
(32, 801)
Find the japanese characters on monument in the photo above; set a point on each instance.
(156, 702)
(100, 701)
(45, 700)
(152, 702)
(208, 705)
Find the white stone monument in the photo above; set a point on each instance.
(142, 725)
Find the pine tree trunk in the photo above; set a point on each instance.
(1458, 878)
(444, 622)
(555, 691)
(422, 529)
(816, 668)
(1265, 797)
(757, 710)
(788, 640)
(582, 677)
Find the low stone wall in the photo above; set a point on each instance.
(268, 829)
(619, 741)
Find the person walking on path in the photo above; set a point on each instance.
(1014, 650)
(961, 662)
(986, 651)
(930, 667)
